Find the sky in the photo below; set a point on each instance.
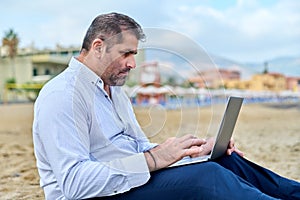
(240, 30)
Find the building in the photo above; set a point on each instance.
(151, 90)
(35, 66)
(293, 84)
(215, 78)
(266, 82)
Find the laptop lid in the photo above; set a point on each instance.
(223, 136)
(227, 126)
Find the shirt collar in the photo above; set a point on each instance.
(86, 73)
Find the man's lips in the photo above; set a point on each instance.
(124, 72)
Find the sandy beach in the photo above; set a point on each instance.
(269, 134)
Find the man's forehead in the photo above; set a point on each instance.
(129, 43)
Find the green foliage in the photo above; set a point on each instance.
(30, 89)
(11, 40)
(10, 80)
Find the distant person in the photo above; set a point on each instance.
(88, 143)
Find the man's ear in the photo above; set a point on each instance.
(97, 45)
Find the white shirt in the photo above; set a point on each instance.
(85, 143)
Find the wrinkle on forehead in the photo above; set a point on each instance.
(129, 44)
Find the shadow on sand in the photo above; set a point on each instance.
(284, 105)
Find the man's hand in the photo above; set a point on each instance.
(174, 149)
(231, 148)
(207, 148)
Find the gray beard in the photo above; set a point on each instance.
(114, 81)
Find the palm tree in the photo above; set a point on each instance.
(11, 40)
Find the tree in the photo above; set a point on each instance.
(11, 40)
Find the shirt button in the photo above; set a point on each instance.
(115, 191)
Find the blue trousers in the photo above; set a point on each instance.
(229, 177)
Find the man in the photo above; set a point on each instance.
(88, 143)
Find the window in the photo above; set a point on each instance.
(47, 72)
(35, 72)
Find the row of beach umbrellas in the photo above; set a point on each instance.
(181, 91)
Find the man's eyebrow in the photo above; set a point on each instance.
(128, 51)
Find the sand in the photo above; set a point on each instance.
(269, 134)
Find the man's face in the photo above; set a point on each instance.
(119, 60)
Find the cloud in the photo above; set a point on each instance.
(242, 30)
(65, 22)
(246, 30)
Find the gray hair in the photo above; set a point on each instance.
(108, 25)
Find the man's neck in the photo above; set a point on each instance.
(88, 61)
(83, 58)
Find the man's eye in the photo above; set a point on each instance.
(126, 54)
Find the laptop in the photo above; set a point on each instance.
(224, 135)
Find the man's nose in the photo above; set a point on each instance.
(131, 62)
